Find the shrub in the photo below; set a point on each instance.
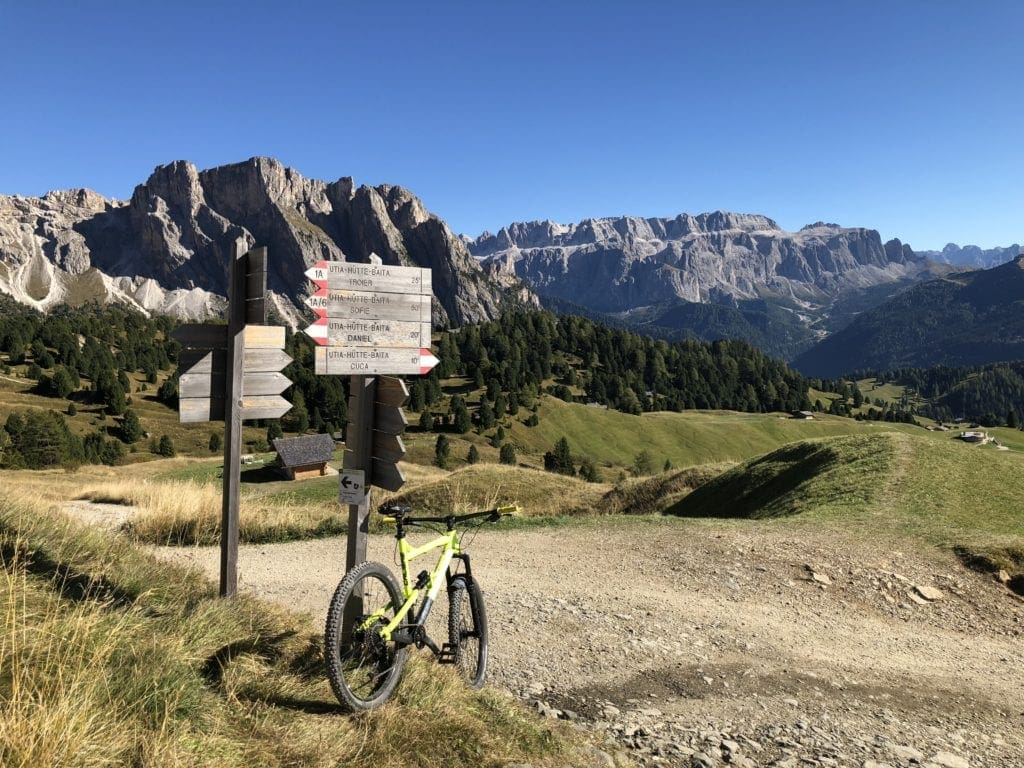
(507, 455)
(166, 447)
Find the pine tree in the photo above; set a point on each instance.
(588, 470)
(498, 437)
(560, 459)
(486, 415)
(473, 455)
(417, 396)
(507, 454)
(216, 442)
(426, 421)
(642, 464)
(297, 419)
(442, 451)
(131, 427)
(462, 422)
(166, 447)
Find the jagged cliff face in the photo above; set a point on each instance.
(621, 264)
(167, 249)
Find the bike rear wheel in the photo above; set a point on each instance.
(467, 630)
(362, 667)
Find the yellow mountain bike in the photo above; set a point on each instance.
(372, 622)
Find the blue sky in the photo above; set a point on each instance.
(907, 117)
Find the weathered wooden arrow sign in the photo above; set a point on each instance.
(369, 333)
(253, 360)
(353, 276)
(371, 305)
(202, 385)
(369, 361)
(389, 420)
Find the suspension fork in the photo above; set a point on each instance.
(464, 557)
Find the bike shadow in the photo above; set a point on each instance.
(307, 664)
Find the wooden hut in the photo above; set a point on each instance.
(305, 456)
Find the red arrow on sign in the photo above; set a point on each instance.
(318, 302)
(318, 274)
(427, 361)
(318, 331)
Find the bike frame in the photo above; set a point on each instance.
(449, 546)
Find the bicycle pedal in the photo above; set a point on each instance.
(447, 654)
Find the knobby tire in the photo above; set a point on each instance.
(363, 669)
(467, 630)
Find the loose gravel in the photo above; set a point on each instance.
(708, 644)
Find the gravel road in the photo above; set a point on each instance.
(709, 643)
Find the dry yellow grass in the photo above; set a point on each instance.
(109, 657)
(188, 512)
(482, 486)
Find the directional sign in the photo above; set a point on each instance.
(351, 486)
(193, 409)
(215, 360)
(388, 420)
(369, 361)
(211, 384)
(372, 305)
(387, 475)
(202, 385)
(387, 447)
(353, 276)
(369, 333)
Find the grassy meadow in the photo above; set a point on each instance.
(109, 657)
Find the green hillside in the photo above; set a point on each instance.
(771, 325)
(612, 438)
(970, 318)
(937, 489)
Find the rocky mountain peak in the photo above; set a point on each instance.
(632, 266)
(167, 249)
(77, 198)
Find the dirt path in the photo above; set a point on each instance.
(694, 643)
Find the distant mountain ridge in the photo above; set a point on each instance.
(641, 269)
(166, 249)
(966, 318)
(972, 255)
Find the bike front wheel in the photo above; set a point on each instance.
(362, 666)
(467, 630)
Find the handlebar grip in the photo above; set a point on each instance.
(507, 509)
(386, 519)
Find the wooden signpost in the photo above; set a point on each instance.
(373, 319)
(230, 373)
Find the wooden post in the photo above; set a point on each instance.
(358, 442)
(233, 421)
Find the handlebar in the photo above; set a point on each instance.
(399, 515)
